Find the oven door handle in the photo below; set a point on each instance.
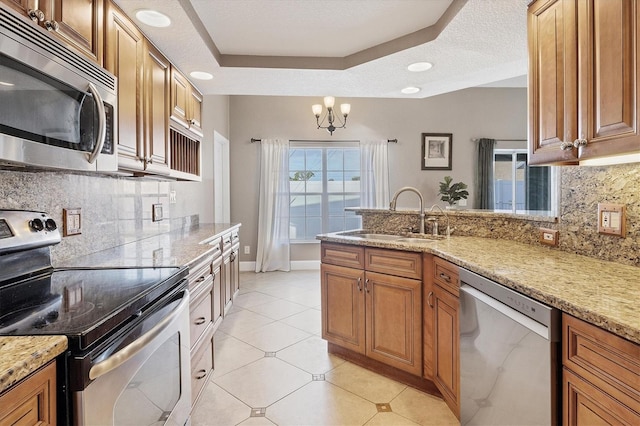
(102, 125)
(128, 352)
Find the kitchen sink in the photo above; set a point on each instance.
(386, 237)
(428, 239)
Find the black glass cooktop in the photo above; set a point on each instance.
(83, 304)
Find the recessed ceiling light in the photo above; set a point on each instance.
(410, 90)
(153, 18)
(200, 75)
(420, 66)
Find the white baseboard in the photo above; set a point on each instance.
(296, 265)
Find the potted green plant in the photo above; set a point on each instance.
(452, 192)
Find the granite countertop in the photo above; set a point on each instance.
(603, 293)
(177, 248)
(22, 355)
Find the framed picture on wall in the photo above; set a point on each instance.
(436, 151)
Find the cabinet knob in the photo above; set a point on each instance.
(579, 142)
(52, 26)
(36, 15)
(567, 146)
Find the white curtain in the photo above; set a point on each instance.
(374, 181)
(272, 253)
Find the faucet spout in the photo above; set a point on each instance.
(394, 200)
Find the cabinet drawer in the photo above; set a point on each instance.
(445, 274)
(342, 255)
(199, 272)
(229, 240)
(201, 367)
(608, 361)
(200, 314)
(394, 262)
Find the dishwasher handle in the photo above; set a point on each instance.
(540, 329)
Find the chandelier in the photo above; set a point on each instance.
(329, 102)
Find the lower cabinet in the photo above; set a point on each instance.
(374, 314)
(601, 376)
(32, 401)
(442, 331)
(230, 268)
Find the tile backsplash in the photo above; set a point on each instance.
(115, 210)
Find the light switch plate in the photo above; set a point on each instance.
(156, 212)
(612, 219)
(71, 222)
(548, 236)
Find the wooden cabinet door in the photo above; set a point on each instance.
(32, 401)
(553, 74)
(394, 321)
(180, 98)
(124, 52)
(235, 271)
(21, 6)
(78, 23)
(227, 289)
(156, 89)
(343, 306)
(446, 362)
(584, 404)
(427, 317)
(608, 77)
(195, 115)
(217, 306)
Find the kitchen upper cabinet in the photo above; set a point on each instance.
(186, 103)
(77, 23)
(124, 57)
(156, 91)
(583, 80)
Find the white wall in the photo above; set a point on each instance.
(480, 112)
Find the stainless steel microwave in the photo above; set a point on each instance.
(57, 108)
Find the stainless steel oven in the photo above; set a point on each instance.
(57, 108)
(127, 329)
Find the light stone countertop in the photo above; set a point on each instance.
(606, 294)
(176, 248)
(22, 355)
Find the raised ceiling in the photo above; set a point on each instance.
(354, 48)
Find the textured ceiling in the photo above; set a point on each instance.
(484, 43)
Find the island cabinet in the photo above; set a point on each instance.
(32, 401)
(205, 315)
(442, 331)
(601, 376)
(76, 23)
(583, 80)
(372, 303)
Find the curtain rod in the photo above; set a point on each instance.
(253, 140)
(502, 140)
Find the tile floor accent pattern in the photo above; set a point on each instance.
(272, 367)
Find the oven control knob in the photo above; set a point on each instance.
(36, 224)
(50, 225)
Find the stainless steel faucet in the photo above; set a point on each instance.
(394, 200)
(435, 221)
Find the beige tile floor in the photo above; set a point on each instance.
(272, 367)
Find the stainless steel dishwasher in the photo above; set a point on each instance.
(509, 356)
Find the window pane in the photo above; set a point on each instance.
(296, 228)
(352, 222)
(503, 181)
(296, 186)
(336, 205)
(314, 205)
(334, 159)
(336, 224)
(351, 201)
(334, 182)
(314, 227)
(352, 159)
(352, 181)
(296, 159)
(314, 159)
(297, 206)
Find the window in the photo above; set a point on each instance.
(518, 186)
(324, 178)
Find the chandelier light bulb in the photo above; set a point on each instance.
(329, 101)
(345, 109)
(317, 109)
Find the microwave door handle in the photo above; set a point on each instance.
(102, 125)
(129, 351)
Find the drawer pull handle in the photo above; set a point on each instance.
(445, 277)
(366, 285)
(200, 321)
(430, 299)
(201, 374)
(199, 280)
(359, 281)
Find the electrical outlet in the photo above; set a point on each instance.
(156, 212)
(548, 236)
(611, 219)
(71, 222)
(247, 249)
(172, 197)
